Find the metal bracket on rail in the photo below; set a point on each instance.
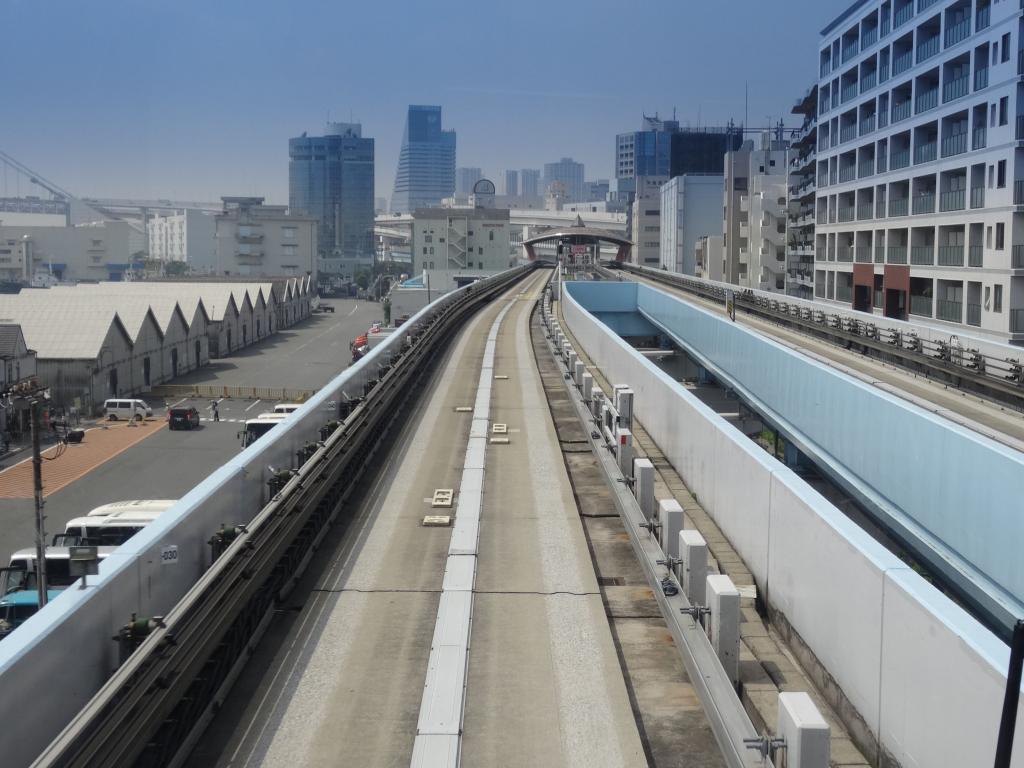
(670, 562)
(652, 526)
(766, 746)
(696, 612)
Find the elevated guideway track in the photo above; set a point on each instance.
(155, 705)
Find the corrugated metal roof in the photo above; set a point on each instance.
(69, 328)
(10, 335)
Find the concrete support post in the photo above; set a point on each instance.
(578, 374)
(804, 730)
(723, 599)
(570, 362)
(624, 451)
(587, 386)
(624, 405)
(670, 515)
(596, 401)
(643, 486)
(693, 551)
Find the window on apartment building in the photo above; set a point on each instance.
(479, 265)
(995, 52)
(490, 235)
(991, 176)
(289, 232)
(992, 117)
(1001, 174)
(431, 250)
(1004, 110)
(988, 296)
(997, 299)
(1000, 235)
(988, 237)
(428, 238)
(424, 250)
(431, 265)
(1006, 47)
(480, 251)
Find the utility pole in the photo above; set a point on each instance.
(37, 483)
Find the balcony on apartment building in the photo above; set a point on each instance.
(846, 213)
(903, 14)
(897, 254)
(1018, 192)
(1017, 257)
(974, 314)
(862, 254)
(953, 200)
(927, 99)
(922, 255)
(898, 206)
(844, 253)
(924, 202)
(954, 144)
(955, 88)
(1017, 320)
(951, 255)
(921, 305)
(928, 47)
(975, 256)
(980, 78)
(952, 311)
(959, 31)
(925, 152)
(979, 137)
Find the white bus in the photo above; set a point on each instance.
(112, 524)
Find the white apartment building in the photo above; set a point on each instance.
(802, 185)
(187, 235)
(645, 222)
(455, 246)
(708, 257)
(768, 213)
(754, 210)
(258, 240)
(920, 172)
(691, 207)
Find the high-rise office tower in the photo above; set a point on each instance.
(529, 182)
(569, 174)
(512, 183)
(646, 152)
(465, 178)
(426, 165)
(331, 178)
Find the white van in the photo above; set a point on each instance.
(287, 408)
(126, 409)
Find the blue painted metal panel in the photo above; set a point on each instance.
(958, 490)
(628, 323)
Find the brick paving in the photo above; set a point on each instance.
(101, 444)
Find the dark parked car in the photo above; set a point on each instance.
(182, 418)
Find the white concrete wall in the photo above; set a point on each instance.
(926, 678)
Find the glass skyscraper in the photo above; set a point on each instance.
(426, 165)
(331, 178)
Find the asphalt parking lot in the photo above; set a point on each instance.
(166, 464)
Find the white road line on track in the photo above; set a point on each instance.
(254, 404)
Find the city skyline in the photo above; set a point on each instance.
(168, 127)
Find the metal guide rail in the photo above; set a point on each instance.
(155, 705)
(949, 361)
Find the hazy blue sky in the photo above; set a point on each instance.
(194, 100)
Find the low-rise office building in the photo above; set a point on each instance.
(645, 221)
(104, 250)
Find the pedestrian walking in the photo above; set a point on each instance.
(216, 413)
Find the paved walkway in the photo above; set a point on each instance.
(63, 465)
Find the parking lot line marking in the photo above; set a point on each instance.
(175, 405)
(254, 404)
(353, 311)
